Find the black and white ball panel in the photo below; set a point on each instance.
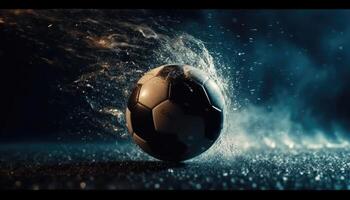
(171, 72)
(214, 94)
(190, 95)
(153, 92)
(174, 112)
(213, 119)
(155, 71)
(190, 129)
(134, 96)
(128, 119)
(170, 118)
(142, 122)
(142, 143)
(145, 78)
(195, 74)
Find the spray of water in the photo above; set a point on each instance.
(110, 51)
(245, 127)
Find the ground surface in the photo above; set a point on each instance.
(123, 166)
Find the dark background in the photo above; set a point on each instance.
(295, 61)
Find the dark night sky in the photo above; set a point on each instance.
(290, 63)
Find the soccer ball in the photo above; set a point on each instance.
(175, 112)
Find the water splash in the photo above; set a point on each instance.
(248, 126)
(111, 55)
(186, 49)
(245, 127)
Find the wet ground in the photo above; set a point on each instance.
(124, 166)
